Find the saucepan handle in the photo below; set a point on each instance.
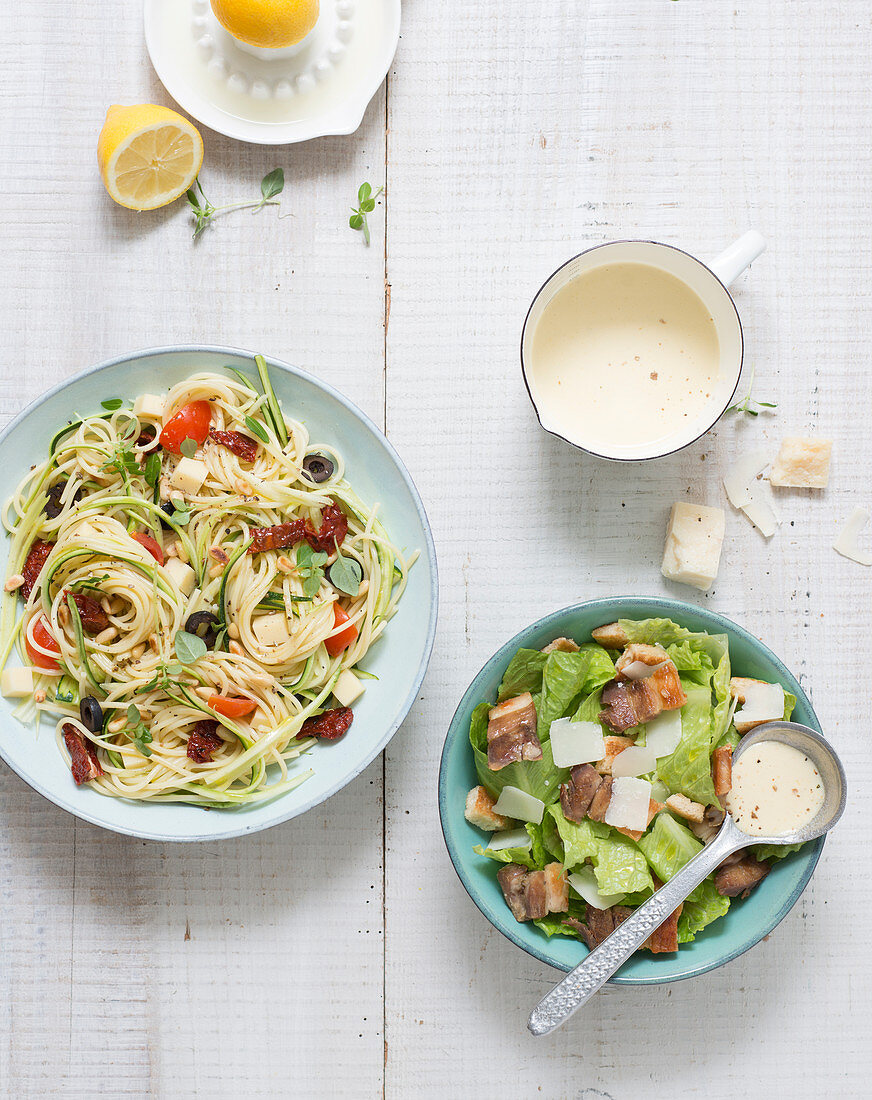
(741, 253)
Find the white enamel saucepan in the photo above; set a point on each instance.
(708, 282)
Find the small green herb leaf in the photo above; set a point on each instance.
(152, 468)
(346, 575)
(112, 404)
(256, 429)
(365, 205)
(133, 714)
(272, 184)
(189, 648)
(188, 447)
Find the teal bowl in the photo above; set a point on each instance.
(398, 659)
(744, 925)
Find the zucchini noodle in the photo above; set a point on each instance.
(278, 644)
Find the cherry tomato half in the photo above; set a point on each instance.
(231, 706)
(152, 545)
(44, 637)
(337, 642)
(190, 422)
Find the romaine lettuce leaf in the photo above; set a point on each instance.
(688, 770)
(537, 777)
(774, 851)
(619, 866)
(553, 925)
(668, 846)
(523, 674)
(703, 906)
(568, 676)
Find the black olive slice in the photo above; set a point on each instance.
(203, 624)
(317, 468)
(91, 714)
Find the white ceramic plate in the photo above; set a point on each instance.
(321, 88)
(399, 658)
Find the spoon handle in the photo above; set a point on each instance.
(595, 970)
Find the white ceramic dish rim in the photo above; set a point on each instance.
(670, 450)
(342, 120)
(428, 554)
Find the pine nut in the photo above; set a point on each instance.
(285, 565)
(233, 630)
(107, 635)
(216, 570)
(236, 649)
(14, 582)
(39, 696)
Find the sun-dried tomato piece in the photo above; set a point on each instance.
(332, 532)
(94, 618)
(277, 538)
(84, 763)
(203, 740)
(36, 558)
(241, 445)
(329, 726)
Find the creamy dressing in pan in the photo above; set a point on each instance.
(623, 352)
(776, 789)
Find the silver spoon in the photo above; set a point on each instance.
(594, 971)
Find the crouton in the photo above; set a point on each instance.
(556, 888)
(480, 811)
(691, 811)
(802, 463)
(610, 636)
(614, 746)
(722, 770)
(561, 645)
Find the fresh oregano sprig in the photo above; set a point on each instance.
(272, 184)
(365, 205)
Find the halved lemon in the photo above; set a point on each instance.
(270, 24)
(148, 155)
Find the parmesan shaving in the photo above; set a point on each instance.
(638, 670)
(847, 543)
(663, 733)
(761, 513)
(742, 476)
(635, 760)
(510, 838)
(583, 882)
(576, 742)
(513, 802)
(628, 806)
(763, 703)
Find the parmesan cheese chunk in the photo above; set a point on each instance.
(576, 742)
(510, 838)
(516, 803)
(693, 544)
(271, 629)
(634, 761)
(16, 683)
(183, 575)
(149, 406)
(628, 806)
(347, 688)
(802, 463)
(189, 475)
(847, 544)
(663, 733)
(583, 882)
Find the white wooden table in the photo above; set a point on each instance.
(338, 956)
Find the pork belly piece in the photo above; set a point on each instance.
(600, 923)
(739, 879)
(480, 811)
(665, 938)
(712, 820)
(556, 888)
(722, 770)
(610, 636)
(629, 702)
(614, 746)
(561, 645)
(577, 795)
(602, 798)
(511, 732)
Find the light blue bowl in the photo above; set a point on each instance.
(746, 923)
(399, 658)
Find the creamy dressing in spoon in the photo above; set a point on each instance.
(776, 790)
(625, 352)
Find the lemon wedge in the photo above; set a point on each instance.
(270, 24)
(148, 155)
